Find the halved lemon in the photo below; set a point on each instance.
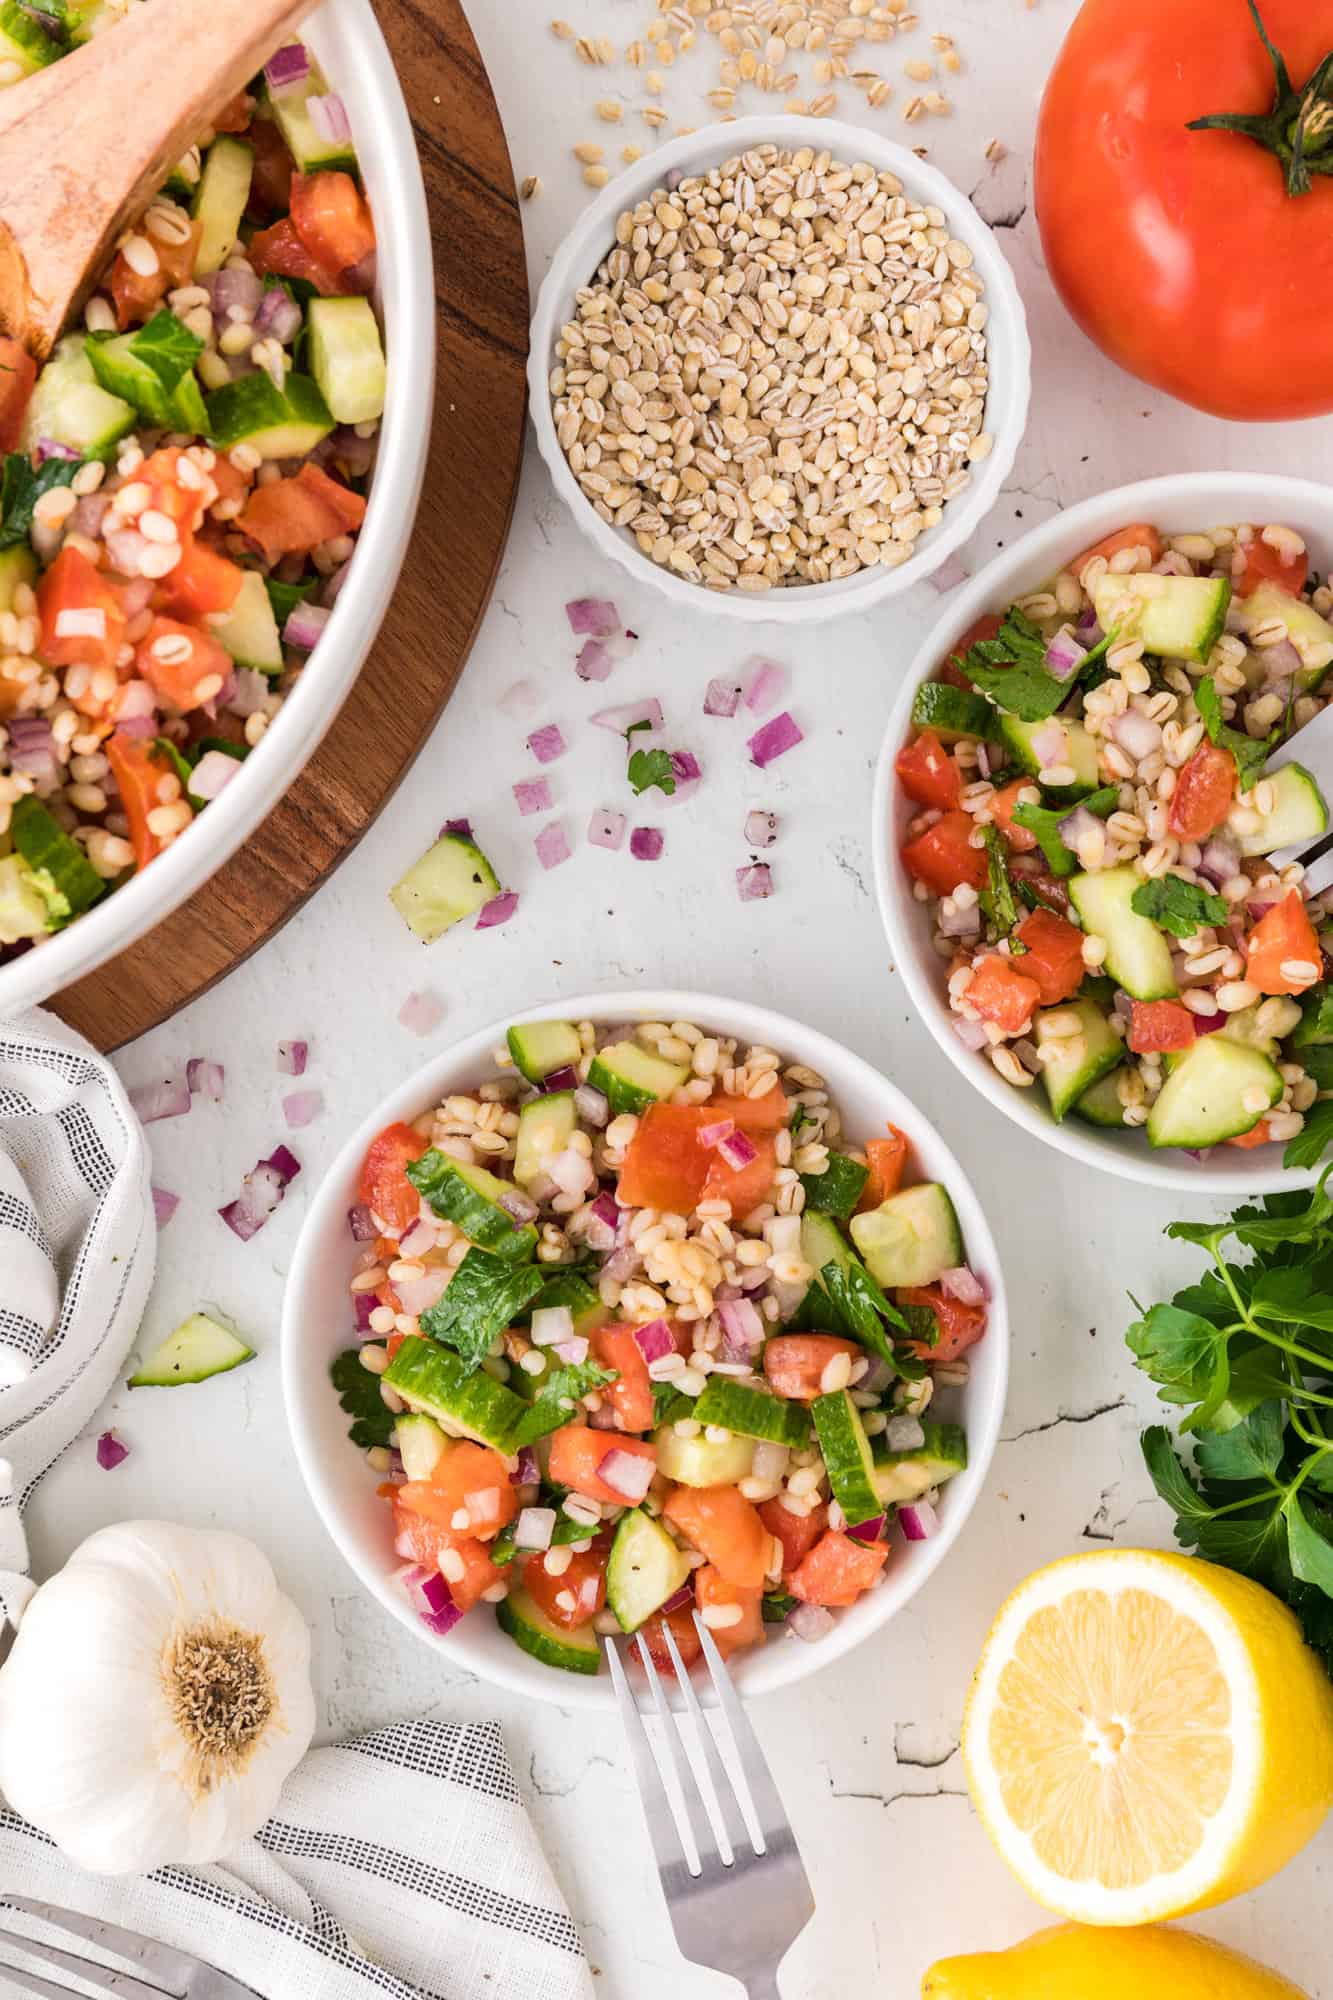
(1146, 1735)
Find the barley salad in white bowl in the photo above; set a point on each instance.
(526, 1273)
(782, 362)
(1086, 870)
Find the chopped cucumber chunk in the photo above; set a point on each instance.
(250, 631)
(1078, 753)
(645, 1569)
(631, 1077)
(1204, 1099)
(17, 565)
(1101, 1104)
(23, 43)
(436, 1381)
(910, 1238)
(748, 1410)
(450, 881)
(421, 1442)
(278, 423)
(1299, 813)
(904, 1476)
(1311, 635)
(23, 907)
(62, 871)
(953, 712)
(1179, 617)
(69, 406)
(474, 1201)
(697, 1461)
(1071, 1064)
(310, 150)
(545, 1128)
(199, 1348)
(847, 1456)
(347, 358)
(576, 1652)
(220, 200)
(541, 1047)
(1137, 955)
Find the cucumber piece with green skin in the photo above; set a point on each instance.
(1072, 1064)
(904, 1476)
(1202, 1101)
(277, 423)
(1101, 1104)
(644, 1569)
(1243, 1026)
(697, 1461)
(421, 1442)
(845, 1449)
(451, 881)
(22, 42)
(748, 1411)
(837, 1190)
(576, 1652)
(1138, 957)
(1299, 814)
(437, 1382)
(1177, 617)
(473, 1200)
(631, 1078)
(51, 854)
(953, 712)
(1311, 635)
(23, 908)
(122, 372)
(822, 1243)
(911, 1238)
(1315, 1027)
(347, 357)
(69, 406)
(198, 1349)
(308, 148)
(1079, 754)
(545, 1128)
(541, 1047)
(17, 565)
(220, 201)
(250, 631)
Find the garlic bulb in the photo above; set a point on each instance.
(155, 1699)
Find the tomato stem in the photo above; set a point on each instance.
(1298, 131)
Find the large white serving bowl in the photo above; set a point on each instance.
(1009, 358)
(346, 38)
(316, 1326)
(1175, 504)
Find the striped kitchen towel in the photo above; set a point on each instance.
(77, 1247)
(398, 1866)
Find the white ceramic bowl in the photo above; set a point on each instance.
(315, 1327)
(1176, 504)
(1009, 354)
(351, 50)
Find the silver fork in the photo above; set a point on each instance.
(1312, 747)
(168, 1974)
(737, 1903)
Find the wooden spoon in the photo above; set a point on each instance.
(86, 141)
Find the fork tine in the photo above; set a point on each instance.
(658, 1809)
(764, 1799)
(171, 1968)
(40, 1989)
(1318, 870)
(709, 1854)
(719, 1782)
(78, 1967)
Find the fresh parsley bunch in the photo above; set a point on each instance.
(1247, 1354)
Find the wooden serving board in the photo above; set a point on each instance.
(471, 479)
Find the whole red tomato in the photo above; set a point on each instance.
(1183, 253)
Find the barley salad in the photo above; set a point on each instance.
(1099, 846)
(183, 483)
(640, 1333)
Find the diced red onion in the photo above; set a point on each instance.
(547, 743)
(87, 518)
(869, 1531)
(48, 448)
(499, 910)
(877, 1376)
(421, 1012)
(722, 697)
(919, 1521)
(261, 1191)
(949, 575)
(135, 698)
(1281, 662)
(621, 1264)
(983, 760)
(165, 1205)
(418, 1295)
(519, 698)
(534, 1528)
(533, 795)
(685, 767)
(363, 1305)
(417, 1238)
(755, 882)
(1064, 654)
(972, 1034)
(361, 1226)
(286, 68)
(279, 318)
(630, 715)
(904, 1434)
(737, 1150)
(559, 1079)
(595, 661)
(1026, 1052)
(360, 277)
(678, 1600)
(606, 828)
(714, 1134)
(601, 1419)
(519, 1207)
(527, 1472)
(628, 1475)
(212, 774)
(292, 1058)
(646, 843)
(572, 1172)
(654, 1341)
(958, 922)
(572, 1352)
(110, 1451)
(1259, 906)
(964, 1284)
(250, 693)
(167, 1098)
(765, 683)
(32, 747)
(1087, 628)
(328, 115)
(761, 829)
(810, 1622)
(743, 1328)
(551, 845)
(234, 286)
(1219, 861)
(430, 1590)
(1080, 825)
(551, 1325)
(592, 617)
(461, 827)
(300, 1107)
(1050, 744)
(1209, 1024)
(305, 625)
(1138, 735)
(205, 1079)
(774, 740)
(592, 1106)
(606, 1208)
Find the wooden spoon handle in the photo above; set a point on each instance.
(85, 142)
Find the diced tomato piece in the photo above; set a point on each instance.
(137, 297)
(1001, 993)
(1158, 1025)
(960, 1326)
(280, 252)
(1139, 534)
(711, 1588)
(231, 482)
(293, 516)
(578, 1450)
(665, 1166)
(1202, 798)
(136, 768)
(1019, 839)
(797, 1533)
(384, 1186)
(271, 175)
(1284, 937)
(235, 113)
(887, 1161)
(632, 1396)
(583, 1582)
(428, 1541)
(203, 583)
(70, 590)
(744, 1187)
(185, 665)
(469, 1480)
(726, 1526)
(985, 627)
(837, 1570)
(943, 856)
(683, 1631)
(1258, 1135)
(794, 1363)
(332, 219)
(1265, 564)
(927, 773)
(1054, 956)
(18, 372)
(768, 1113)
(172, 495)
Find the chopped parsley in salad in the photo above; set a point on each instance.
(1104, 854)
(181, 486)
(644, 1334)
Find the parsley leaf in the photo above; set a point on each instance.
(486, 1294)
(670, 1404)
(1314, 1136)
(775, 1607)
(1250, 753)
(998, 898)
(21, 488)
(861, 1307)
(1178, 907)
(359, 1394)
(648, 768)
(168, 347)
(1044, 821)
(1011, 668)
(562, 1389)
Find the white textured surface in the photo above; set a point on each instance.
(866, 1754)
